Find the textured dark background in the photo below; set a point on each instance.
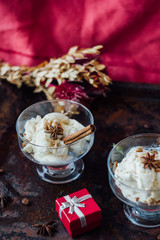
(129, 109)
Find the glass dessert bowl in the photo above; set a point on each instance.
(134, 177)
(43, 130)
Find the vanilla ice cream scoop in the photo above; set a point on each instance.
(49, 150)
(138, 175)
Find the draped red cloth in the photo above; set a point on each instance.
(32, 31)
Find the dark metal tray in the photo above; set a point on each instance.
(129, 109)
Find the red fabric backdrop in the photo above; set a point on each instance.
(35, 30)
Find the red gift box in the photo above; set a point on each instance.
(78, 212)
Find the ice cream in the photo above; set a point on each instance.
(140, 171)
(48, 149)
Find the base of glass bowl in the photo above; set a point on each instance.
(59, 174)
(141, 217)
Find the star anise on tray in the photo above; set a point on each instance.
(150, 162)
(47, 229)
(3, 200)
(54, 130)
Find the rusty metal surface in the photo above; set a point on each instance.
(129, 109)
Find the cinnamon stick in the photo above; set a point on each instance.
(79, 134)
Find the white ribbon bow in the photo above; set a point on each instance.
(73, 204)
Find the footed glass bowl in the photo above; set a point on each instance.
(62, 170)
(140, 213)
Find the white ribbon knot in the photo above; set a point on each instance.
(74, 204)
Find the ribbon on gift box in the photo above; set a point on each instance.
(74, 204)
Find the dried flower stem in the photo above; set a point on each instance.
(76, 66)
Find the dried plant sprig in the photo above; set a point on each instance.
(77, 66)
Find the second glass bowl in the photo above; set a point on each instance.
(139, 213)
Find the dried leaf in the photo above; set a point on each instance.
(4, 70)
(38, 89)
(51, 90)
(49, 80)
(72, 50)
(98, 47)
(41, 73)
(79, 55)
(100, 67)
(42, 64)
(70, 59)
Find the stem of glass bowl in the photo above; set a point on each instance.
(142, 217)
(60, 171)
(61, 174)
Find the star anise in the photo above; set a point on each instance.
(3, 200)
(47, 229)
(54, 130)
(150, 162)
